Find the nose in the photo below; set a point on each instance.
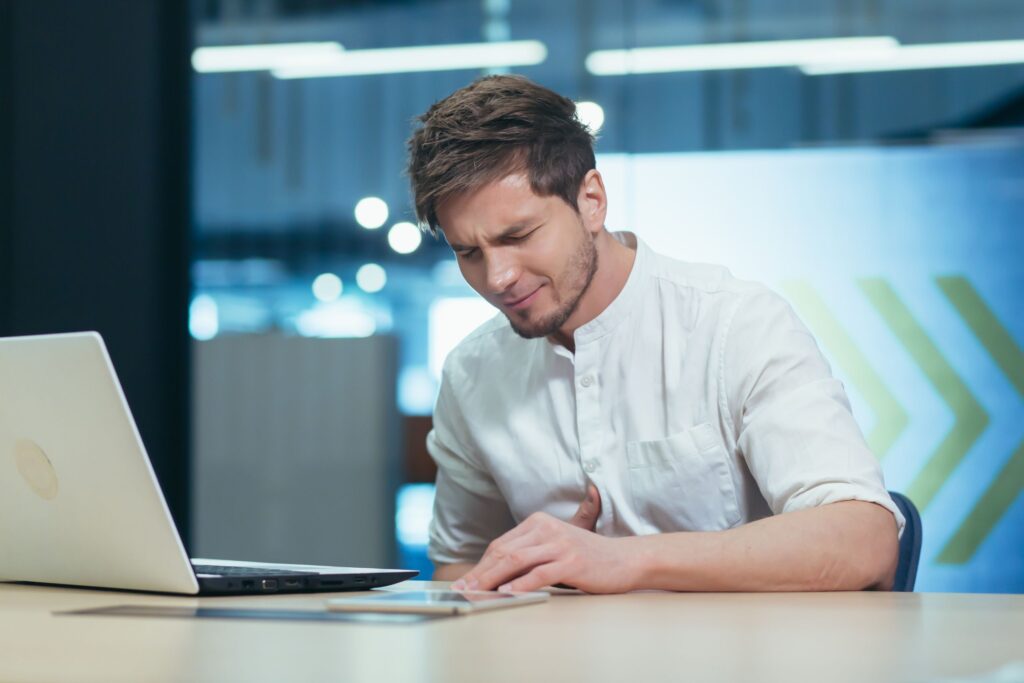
(502, 271)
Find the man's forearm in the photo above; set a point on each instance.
(851, 545)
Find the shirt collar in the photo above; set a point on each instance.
(626, 301)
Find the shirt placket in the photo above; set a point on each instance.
(588, 413)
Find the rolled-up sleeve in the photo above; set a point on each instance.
(792, 418)
(469, 509)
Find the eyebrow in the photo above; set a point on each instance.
(507, 232)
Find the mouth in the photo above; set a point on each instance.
(520, 304)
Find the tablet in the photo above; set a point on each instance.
(434, 601)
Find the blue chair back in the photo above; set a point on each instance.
(910, 544)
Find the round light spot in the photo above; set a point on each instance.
(371, 212)
(591, 114)
(327, 287)
(203, 318)
(371, 278)
(404, 238)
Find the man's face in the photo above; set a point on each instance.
(531, 257)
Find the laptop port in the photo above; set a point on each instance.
(248, 583)
(359, 579)
(294, 583)
(268, 584)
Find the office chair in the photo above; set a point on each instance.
(910, 544)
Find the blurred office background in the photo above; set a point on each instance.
(870, 168)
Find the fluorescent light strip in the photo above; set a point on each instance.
(753, 55)
(428, 58)
(261, 57)
(931, 56)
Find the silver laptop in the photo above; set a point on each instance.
(79, 503)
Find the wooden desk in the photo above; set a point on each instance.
(790, 638)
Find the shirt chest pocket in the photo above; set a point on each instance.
(683, 482)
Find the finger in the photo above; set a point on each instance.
(588, 511)
(513, 565)
(495, 557)
(541, 576)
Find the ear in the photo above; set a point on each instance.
(592, 201)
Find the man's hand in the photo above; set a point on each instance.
(543, 551)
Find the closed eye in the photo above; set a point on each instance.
(521, 238)
(473, 252)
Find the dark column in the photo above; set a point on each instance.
(95, 211)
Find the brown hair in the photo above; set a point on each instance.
(495, 126)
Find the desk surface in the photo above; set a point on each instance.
(638, 637)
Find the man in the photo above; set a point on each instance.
(690, 412)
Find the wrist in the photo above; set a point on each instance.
(669, 561)
(641, 562)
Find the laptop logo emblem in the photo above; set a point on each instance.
(35, 468)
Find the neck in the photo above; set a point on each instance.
(614, 263)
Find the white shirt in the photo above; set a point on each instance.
(694, 402)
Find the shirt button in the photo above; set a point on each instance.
(586, 381)
(590, 465)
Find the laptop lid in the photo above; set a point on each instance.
(79, 502)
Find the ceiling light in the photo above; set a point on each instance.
(930, 56)
(261, 57)
(750, 55)
(425, 58)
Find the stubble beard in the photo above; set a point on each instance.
(580, 271)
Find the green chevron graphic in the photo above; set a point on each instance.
(970, 418)
(1009, 482)
(890, 417)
